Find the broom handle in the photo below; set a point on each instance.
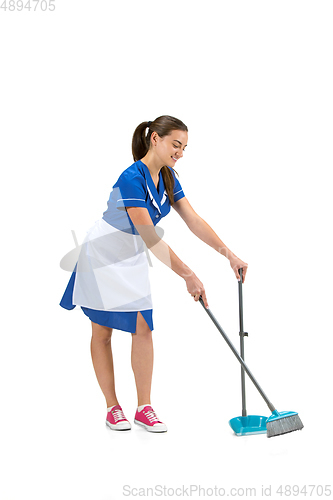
(241, 334)
(234, 350)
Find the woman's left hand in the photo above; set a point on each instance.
(237, 264)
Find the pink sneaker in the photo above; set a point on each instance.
(116, 419)
(149, 420)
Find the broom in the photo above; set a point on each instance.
(279, 422)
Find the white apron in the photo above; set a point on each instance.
(112, 271)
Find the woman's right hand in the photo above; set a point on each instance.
(196, 288)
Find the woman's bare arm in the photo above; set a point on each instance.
(145, 227)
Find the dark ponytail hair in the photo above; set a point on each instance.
(163, 125)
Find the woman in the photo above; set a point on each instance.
(110, 281)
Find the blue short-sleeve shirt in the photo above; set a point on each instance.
(135, 188)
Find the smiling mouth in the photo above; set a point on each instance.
(175, 159)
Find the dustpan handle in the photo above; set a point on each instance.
(242, 334)
(234, 350)
(240, 300)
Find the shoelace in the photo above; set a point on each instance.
(118, 415)
(151, 415)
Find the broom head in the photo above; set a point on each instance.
(282, 423)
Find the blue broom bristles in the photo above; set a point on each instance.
(282, 423)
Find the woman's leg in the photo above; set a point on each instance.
(142, 359)
(101, 354)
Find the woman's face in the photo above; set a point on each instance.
(170, 147)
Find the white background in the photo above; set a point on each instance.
(253, 82)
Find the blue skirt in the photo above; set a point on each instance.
(125, 321)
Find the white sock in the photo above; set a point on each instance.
(111, 408)
(140, 408)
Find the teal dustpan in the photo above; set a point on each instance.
(251, 424)
(246, 424)
(279, 422)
